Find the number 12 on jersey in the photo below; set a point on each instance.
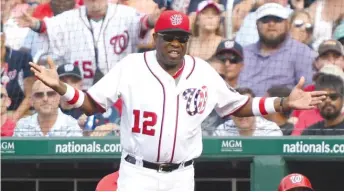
(149, 118)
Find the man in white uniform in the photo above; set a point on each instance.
(94, 37)
(166, 96)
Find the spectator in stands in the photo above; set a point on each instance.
(330, 52)
(276, 59)
(102, 48)
(301, 27)
(35, 42)
(339, 33)
(230, 53)
(49, 121)
(325, 13)
(206, 30)
(17, 77)
(213, 120)
(281, 119)
(330, 109)
(7, 124)
(248, 126)
(247, 33)
(306, 118)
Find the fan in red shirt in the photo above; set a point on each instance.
(108, 183)
(307, 118)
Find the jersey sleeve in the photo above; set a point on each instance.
(139, 27)
(108, 89)
(228, 100)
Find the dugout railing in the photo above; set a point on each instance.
(256, 163)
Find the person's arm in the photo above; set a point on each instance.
(98, 98)
(232, 103)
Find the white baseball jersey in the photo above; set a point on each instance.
(75, 38)
(161, 120)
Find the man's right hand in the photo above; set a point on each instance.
(25, 20)
(49, 76)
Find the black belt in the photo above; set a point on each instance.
(164, 167)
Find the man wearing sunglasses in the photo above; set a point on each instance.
(48, 121)
(330, 109)
(230, 53)
(166, 96)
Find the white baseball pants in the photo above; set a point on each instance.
(137, 178)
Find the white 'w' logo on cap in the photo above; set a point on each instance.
(176, 19)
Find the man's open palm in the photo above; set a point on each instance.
(299, 99)
(49, 75)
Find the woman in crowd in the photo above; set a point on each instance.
(301, 27)
(206, 30)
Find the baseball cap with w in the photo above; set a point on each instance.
(172, 21)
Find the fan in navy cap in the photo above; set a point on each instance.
(230, 53)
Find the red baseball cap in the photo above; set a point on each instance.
(294, 180)
(108, 183)
(172, 21)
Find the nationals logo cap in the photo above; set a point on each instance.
(172, 21)
(295, 180)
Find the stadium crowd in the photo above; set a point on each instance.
(259, 47)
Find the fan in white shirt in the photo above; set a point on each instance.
(248, 126)
(49, 121)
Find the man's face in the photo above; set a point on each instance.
(233, 64)
(272, 30)
(44, 100)
(171, 47)
(5, 100)
(332, 106)
(95, 6)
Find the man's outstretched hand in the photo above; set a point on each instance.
(48, 76)
(299, 99)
